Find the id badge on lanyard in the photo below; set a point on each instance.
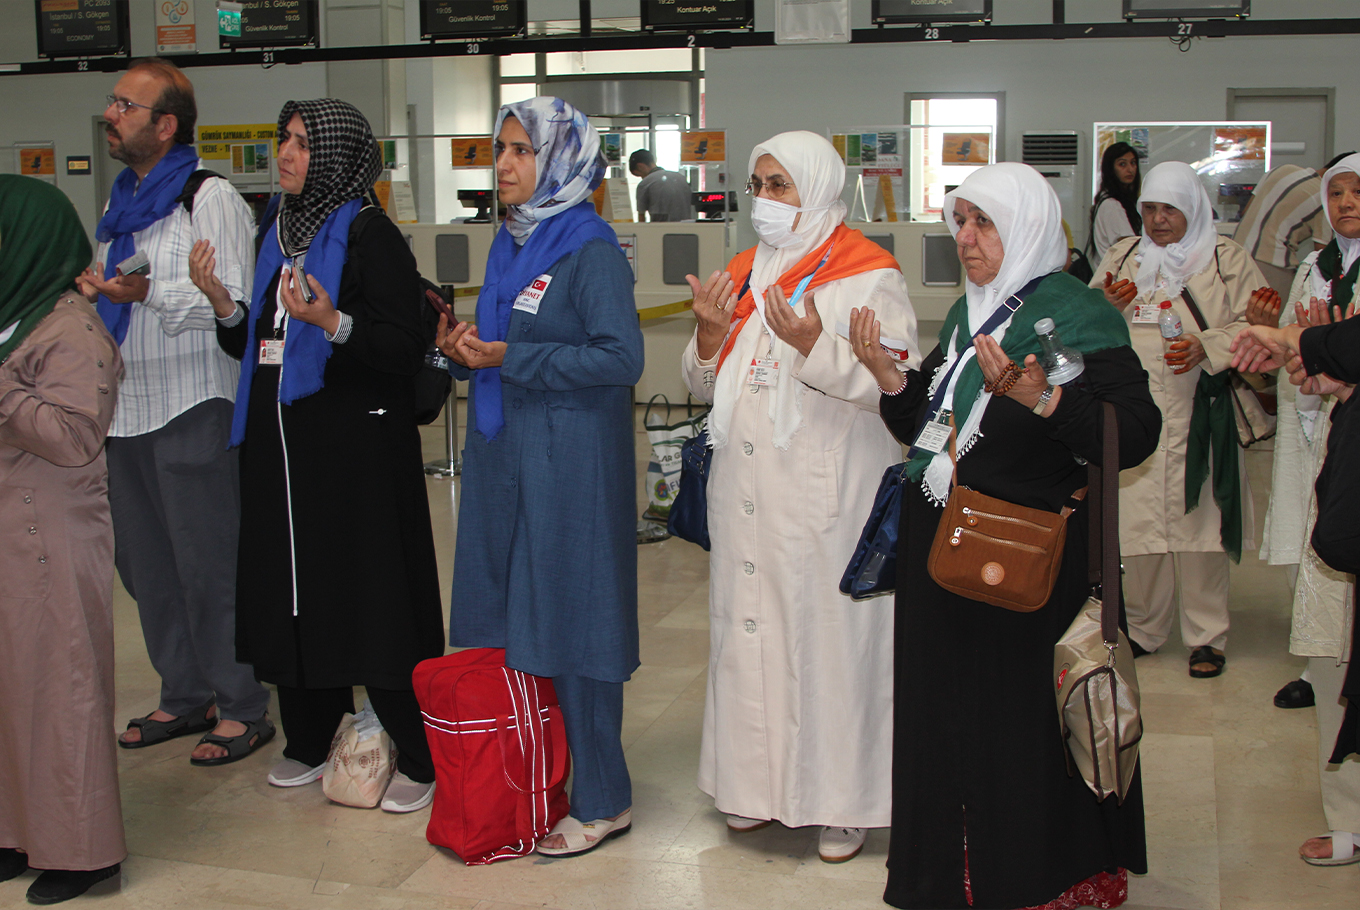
(935, 435)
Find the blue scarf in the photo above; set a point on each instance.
(305, 349)
(509, 269)
(134, 208)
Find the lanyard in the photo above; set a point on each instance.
(1003, 312)
(802, 285)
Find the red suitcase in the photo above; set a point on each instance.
(500, 755)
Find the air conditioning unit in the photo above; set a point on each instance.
(1057, 155)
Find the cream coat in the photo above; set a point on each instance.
(1322, 616)
(798, 718)
(1152, 515)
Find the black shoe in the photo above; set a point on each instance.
(1296, 694)
(12, 863)
(1138, 650)
(57, 885)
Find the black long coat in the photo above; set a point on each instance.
(336, 582)
(977, 751)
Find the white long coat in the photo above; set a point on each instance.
(1152, 516)
(798, 718)
(1322, 616)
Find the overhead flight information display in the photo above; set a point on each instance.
(697, 15)
(472, 18)
(82, 28)
(893, 12)
(1179, 9)
(275, 23)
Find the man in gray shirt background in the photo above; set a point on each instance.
(662, 195)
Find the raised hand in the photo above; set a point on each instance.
(714, 301)
(1119, 293)
(864, 342)
(799, 332)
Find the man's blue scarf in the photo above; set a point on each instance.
(305, 349)
(509, 269)
(134, 208)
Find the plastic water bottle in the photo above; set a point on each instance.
(1170, 324)
(1061, 363)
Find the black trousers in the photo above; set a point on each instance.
(310, 717)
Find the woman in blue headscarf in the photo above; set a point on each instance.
(546, 558)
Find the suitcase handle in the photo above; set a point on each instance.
(559, 758)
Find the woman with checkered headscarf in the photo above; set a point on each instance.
(337, 585)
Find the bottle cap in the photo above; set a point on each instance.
(1043, 326)
(1164, 305)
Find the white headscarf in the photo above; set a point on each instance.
(1169, 267)
(1028, 217)
(816, 170)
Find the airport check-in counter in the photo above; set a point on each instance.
(930, 263)
(662, 254)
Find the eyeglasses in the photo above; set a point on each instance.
(775, 189)
(123, 104)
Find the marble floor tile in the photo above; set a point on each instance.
(1230, 787)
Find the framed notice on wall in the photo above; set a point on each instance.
(472, 18)
(688, 16)
(82, 28)
(275, 23)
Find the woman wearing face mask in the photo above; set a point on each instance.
(795, 723)
(1323, 291)
(1115, 212)
(546, 559)
(337, 585)
(985, 814)
(1187, 509)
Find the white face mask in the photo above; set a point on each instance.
(773, 222)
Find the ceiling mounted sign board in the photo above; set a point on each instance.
(910, 12)
(176, 32)
(697, 15)
(275, 23)
(82, 28)
(472, 18)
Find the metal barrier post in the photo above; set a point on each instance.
(450, 465)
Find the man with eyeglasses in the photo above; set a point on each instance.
(173, 485)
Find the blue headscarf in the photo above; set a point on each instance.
(133, 208)
(558, 220)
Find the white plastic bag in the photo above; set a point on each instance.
(361, 762)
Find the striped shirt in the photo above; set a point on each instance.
(171, 357)
(1284, 214)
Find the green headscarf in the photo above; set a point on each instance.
(43, 248)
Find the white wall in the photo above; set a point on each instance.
(1049, 85)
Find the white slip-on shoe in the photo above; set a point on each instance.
(838, 845)
(290, 773)
(740, 824)
(1343, 850)
(406, 795)
(582, 837)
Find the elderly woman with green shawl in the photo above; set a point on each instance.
(59, 372)
(984, 813)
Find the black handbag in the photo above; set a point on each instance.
(873, 567)
(688, 519)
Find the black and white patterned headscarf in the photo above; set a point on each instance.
(343, 165)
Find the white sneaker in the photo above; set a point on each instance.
(840, 844)
(405, 795)
(290, 773)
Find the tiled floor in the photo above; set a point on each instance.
(1231, 783)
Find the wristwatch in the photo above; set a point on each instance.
(1044, 398)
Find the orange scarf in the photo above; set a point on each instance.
(851, 254)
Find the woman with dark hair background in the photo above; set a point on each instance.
(1115, 211)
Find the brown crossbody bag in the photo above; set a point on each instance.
(998, 552)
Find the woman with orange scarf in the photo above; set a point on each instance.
(797, 722)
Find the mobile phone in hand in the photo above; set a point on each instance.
(436, 300)
(300, 282)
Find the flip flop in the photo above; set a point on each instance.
(574, 833)
(258, 732)
(1343, 850)
(155, 732)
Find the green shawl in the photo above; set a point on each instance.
(1084, 320)
(1213, 428)
(43, 248)
(1329, 264)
